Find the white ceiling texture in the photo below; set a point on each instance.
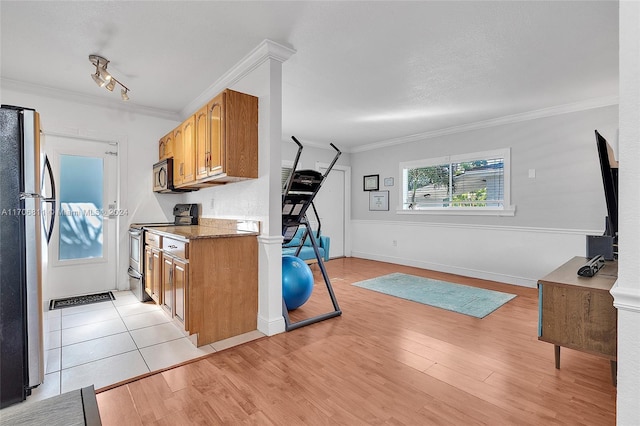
(364, 73)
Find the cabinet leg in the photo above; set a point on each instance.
(557, 354)
(614, 372)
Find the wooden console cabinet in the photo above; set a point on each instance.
(578, 313)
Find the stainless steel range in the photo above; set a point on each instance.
(183, 214)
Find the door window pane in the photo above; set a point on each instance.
(81, 195)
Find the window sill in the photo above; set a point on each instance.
(461, 211)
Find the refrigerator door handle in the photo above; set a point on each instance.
(52, 200)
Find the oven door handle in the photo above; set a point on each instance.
(134, 274)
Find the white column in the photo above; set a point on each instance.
(626, 292)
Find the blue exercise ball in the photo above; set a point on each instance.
(297, 282)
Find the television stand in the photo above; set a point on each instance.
(578, 313)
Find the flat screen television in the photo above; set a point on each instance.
(609, 169)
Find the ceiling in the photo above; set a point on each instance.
(363, 72)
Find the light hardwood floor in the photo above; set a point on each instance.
(384, 361)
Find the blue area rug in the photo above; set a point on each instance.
(473, 301)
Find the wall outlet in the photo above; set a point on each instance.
(211, 204)
(394, 243)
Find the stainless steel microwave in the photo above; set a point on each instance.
(163, 175)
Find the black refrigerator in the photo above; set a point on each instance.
(27, 213)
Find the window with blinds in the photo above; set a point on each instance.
(477, 181)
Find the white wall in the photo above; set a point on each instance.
(137, 135)
(627, 290)
(554, 210)
(312, 154)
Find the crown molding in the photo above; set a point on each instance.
(266, 50)
(81, 98)
(500, 121)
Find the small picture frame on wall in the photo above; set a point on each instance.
(379, 200)
(371, 182)
(388, 181)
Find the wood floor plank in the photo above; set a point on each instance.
(384, 361)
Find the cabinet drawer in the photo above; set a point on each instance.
(153, 240)
(176, 248)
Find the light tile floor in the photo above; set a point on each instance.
(104, 343)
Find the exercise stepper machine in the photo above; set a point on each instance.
(299, 192)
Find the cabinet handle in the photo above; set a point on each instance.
(172, 246)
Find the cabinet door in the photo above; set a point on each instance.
(148, 271)
(216, 135)
(167, 284)
(156, 283)
(152, 274)
(188, 154)
(178, 157)
(180, 286)
(165, 146)
(168, 145)
(162, 149)
(202, 143)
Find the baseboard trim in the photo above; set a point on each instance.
(271, 327)
(473, 273)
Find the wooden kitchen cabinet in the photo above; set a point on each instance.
(175, 284)
(152, 275)
(184, 153)
(227, 138)
(167, 284)
(175, 279)
(188, 146)
(216, 145)
(180, 286)
(208, 285)
(223, 288)
(178, 157)
(165, 147)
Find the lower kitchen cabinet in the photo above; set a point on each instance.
(175, 281)
(180, 285)
(152, 275)
(209, 285)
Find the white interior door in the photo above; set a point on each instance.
(82, 250)
(332, 205)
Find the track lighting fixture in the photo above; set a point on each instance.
(103, 78)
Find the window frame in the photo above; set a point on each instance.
(506, 210)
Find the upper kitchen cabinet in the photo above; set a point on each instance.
(178, 156)
(165, 147)
(227, 138)
(183, 153)
(188, 141)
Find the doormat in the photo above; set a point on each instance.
(80, 300)
(473, 301)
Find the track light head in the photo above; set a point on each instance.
(123, 94)
(110, 85)
(99, 80)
